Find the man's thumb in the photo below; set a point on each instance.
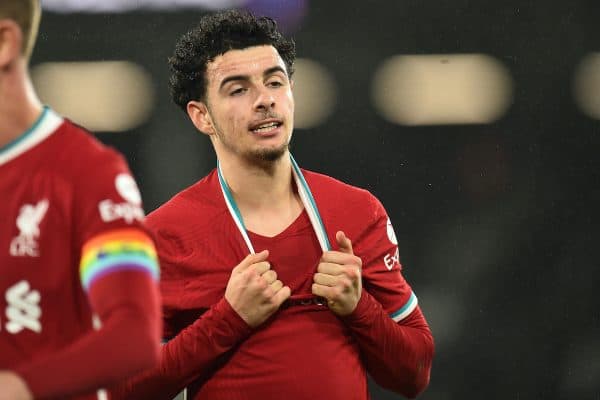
(344, 243)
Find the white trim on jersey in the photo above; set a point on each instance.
(406, 309)
(45, 125)
(305, 195)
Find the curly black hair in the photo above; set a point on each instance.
(213, 36)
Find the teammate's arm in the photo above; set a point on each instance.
(120, 280)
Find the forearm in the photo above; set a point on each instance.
(398, 355)
(127, 343)
(190, 355)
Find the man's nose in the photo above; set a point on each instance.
(264, 100)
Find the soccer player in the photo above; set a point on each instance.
(277, 282)
(79, 305)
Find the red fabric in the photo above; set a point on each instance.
(398, 355)
(193, 353)
(199, 244)
(61, 166)
(127, 343)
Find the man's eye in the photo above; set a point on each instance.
(275, 84)
(237, 91)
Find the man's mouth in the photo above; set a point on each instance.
(266, 127)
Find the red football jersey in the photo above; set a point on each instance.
(71, 214)
(199, 244)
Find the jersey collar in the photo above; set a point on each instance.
(43, 127)
(305, 195)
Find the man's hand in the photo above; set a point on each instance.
(12, 387)
(338, 277)
(254, 291)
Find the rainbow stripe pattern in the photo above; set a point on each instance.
(117, 250)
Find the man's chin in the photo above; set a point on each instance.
(269, 155)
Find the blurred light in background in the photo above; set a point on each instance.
(315, 93)
(586, 87)
(107, 96)
(442, 89)
(66, 6)
(289, 14)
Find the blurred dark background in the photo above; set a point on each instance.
(496, 220)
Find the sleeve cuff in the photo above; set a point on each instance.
(238, 327)
(406, 309)
(366, 310)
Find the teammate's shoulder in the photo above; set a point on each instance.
(82, 145)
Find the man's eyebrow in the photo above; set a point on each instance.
(233, 78)
(274, 69)
(269, 71)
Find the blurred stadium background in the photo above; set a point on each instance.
(476, 124)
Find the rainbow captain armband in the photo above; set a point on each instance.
(117, 250)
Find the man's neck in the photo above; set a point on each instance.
(265, 194)
(19, 105)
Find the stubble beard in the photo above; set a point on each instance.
(267, 155)
(262, 157)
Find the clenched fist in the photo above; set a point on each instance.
(338, 277)
(254, 291)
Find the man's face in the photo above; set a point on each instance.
(249, 99)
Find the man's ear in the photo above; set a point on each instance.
(198, 113)
(11, 39)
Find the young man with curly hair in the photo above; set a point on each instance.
(79, 300)
(277, 282)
